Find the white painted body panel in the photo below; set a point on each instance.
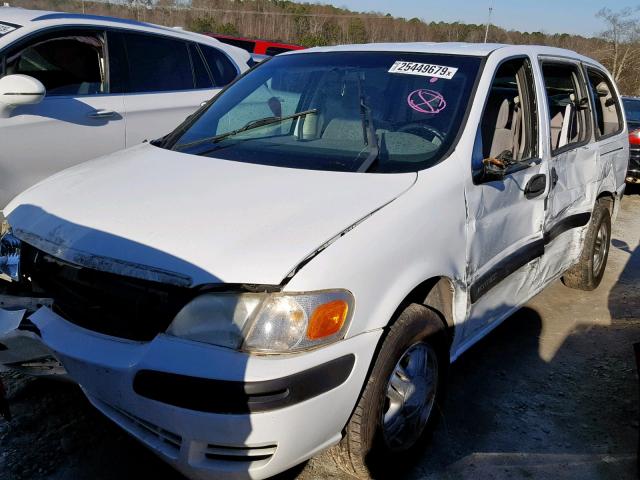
(207, 220)
(153, 115)
(255, 223)
(40, 140)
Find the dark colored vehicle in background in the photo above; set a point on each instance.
(262, 47)
(632, 111)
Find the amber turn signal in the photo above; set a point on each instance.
(327, 319)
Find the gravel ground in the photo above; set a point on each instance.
(551, 394)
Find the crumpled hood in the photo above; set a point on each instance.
(162, 215)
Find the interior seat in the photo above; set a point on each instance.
(497, 135)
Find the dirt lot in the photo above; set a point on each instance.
(551, 394)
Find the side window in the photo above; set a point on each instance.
(200, 72)
(222, 70)
(67, 63)
(509, 127)
(157, 64)
(607, 112)
(567, 101)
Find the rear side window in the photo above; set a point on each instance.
(567, 101)
(607, 112)
(222, 70)
(157, 64)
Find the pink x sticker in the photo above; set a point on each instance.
(426, 101)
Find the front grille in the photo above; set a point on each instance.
(104, 302)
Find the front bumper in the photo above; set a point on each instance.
(20, 345)
(213, 437)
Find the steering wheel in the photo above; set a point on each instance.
(425, 131)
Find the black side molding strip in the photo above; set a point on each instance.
(229, 397)
(524, 255)
(612, 151)
(506, 267)
(567, 223)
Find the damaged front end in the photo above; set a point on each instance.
(20, 345)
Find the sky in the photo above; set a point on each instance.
(549, 16)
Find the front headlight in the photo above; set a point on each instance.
(10, 256)
(266, 322)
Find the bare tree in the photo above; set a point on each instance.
(622, 35)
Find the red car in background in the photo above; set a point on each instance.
(261, 47)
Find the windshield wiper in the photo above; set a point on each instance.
(261, 122)
(368, 131)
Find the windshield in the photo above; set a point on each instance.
(341, 111)
(632, 109)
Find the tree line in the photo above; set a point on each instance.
(617, 46)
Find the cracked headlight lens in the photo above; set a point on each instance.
(266, 322)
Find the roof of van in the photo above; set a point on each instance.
(452, 48)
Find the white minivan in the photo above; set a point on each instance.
(295, 267)
(74, 87)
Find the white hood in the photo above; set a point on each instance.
(163, 215)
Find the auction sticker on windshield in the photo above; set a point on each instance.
(7, 28)
(424, 69)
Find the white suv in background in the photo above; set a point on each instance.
(74, 87)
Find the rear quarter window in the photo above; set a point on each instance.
(607, 112)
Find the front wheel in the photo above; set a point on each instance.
(588, 272)
(398, 406)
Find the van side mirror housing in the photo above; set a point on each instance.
(16, 90)
(491, 169)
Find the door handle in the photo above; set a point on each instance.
(536, 186)
(554, 177)
(102, 114)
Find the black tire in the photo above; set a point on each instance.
(588, 272)
(363, 452)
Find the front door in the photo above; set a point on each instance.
(78, 119)
(506, 207)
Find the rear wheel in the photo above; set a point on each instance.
(398, 406)
(587, 273)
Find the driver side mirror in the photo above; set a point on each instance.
(492, 169)
(18, 90)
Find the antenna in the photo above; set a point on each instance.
(486, 32)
